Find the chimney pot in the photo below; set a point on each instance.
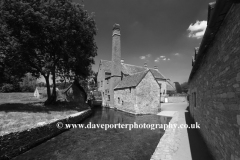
(122, 61)
(116, 26)
(155, 67)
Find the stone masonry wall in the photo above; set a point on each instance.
(100, 78)
(176, 99)
(16, 143)
(148, 95)
(125, 100)
(217, 88)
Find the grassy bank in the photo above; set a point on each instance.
(20, 111)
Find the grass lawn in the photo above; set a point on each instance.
(18, 97)
(20, 111)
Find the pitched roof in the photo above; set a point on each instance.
(76, 83)
(132, 80)
(170, 86)
(130, 69)
(157, 74)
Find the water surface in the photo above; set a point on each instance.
(100, 144)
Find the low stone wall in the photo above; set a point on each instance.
(169, 142)
(176, 99)
(16, 143)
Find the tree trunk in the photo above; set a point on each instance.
(48, 86)
(54, 93)
(48, 101)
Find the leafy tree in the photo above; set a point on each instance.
(178, 87)
(28, 83)
(48, 37)
(185, 87)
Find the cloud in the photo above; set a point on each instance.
(176, 54)
(142, 57)
(197, 30)
(145, 56)
(161, 58)
(157, 59)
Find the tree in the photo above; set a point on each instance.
(48, 37)
(28, 83)
(178, 87)
(185, 87)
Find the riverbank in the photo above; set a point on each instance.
(17, 143)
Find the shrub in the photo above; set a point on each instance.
(7, 88)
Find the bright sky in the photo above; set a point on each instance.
(161, 32)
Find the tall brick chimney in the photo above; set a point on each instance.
(116, 62)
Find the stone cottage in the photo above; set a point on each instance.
(116, 79)
(214, 82)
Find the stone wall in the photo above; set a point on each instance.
(100, 78)
(125, 100)
(163, 87)
(16, 143)
(216, 86)
(148, 95)
(176, 99)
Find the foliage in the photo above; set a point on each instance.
(28, 83)
(47, 38)
(178, 87)
(185, 87)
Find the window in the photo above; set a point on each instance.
(106, 91)
(130, 90)
(119, 100)
(195, 99)
(122, 102)
(107, 81)
(108, 97)
(101, 83)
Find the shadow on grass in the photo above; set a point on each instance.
(39, 107)
(199, 149)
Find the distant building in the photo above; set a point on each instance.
(123, 86)
(214, 82)
(36, 93)
(75, 93)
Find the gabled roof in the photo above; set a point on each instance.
(156, 74)
(130, 69)
(170, 86)
(78, 86)
(132, 80)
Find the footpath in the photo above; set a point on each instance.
(180, 143)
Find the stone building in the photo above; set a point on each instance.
(214, 82)
(116, 79)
